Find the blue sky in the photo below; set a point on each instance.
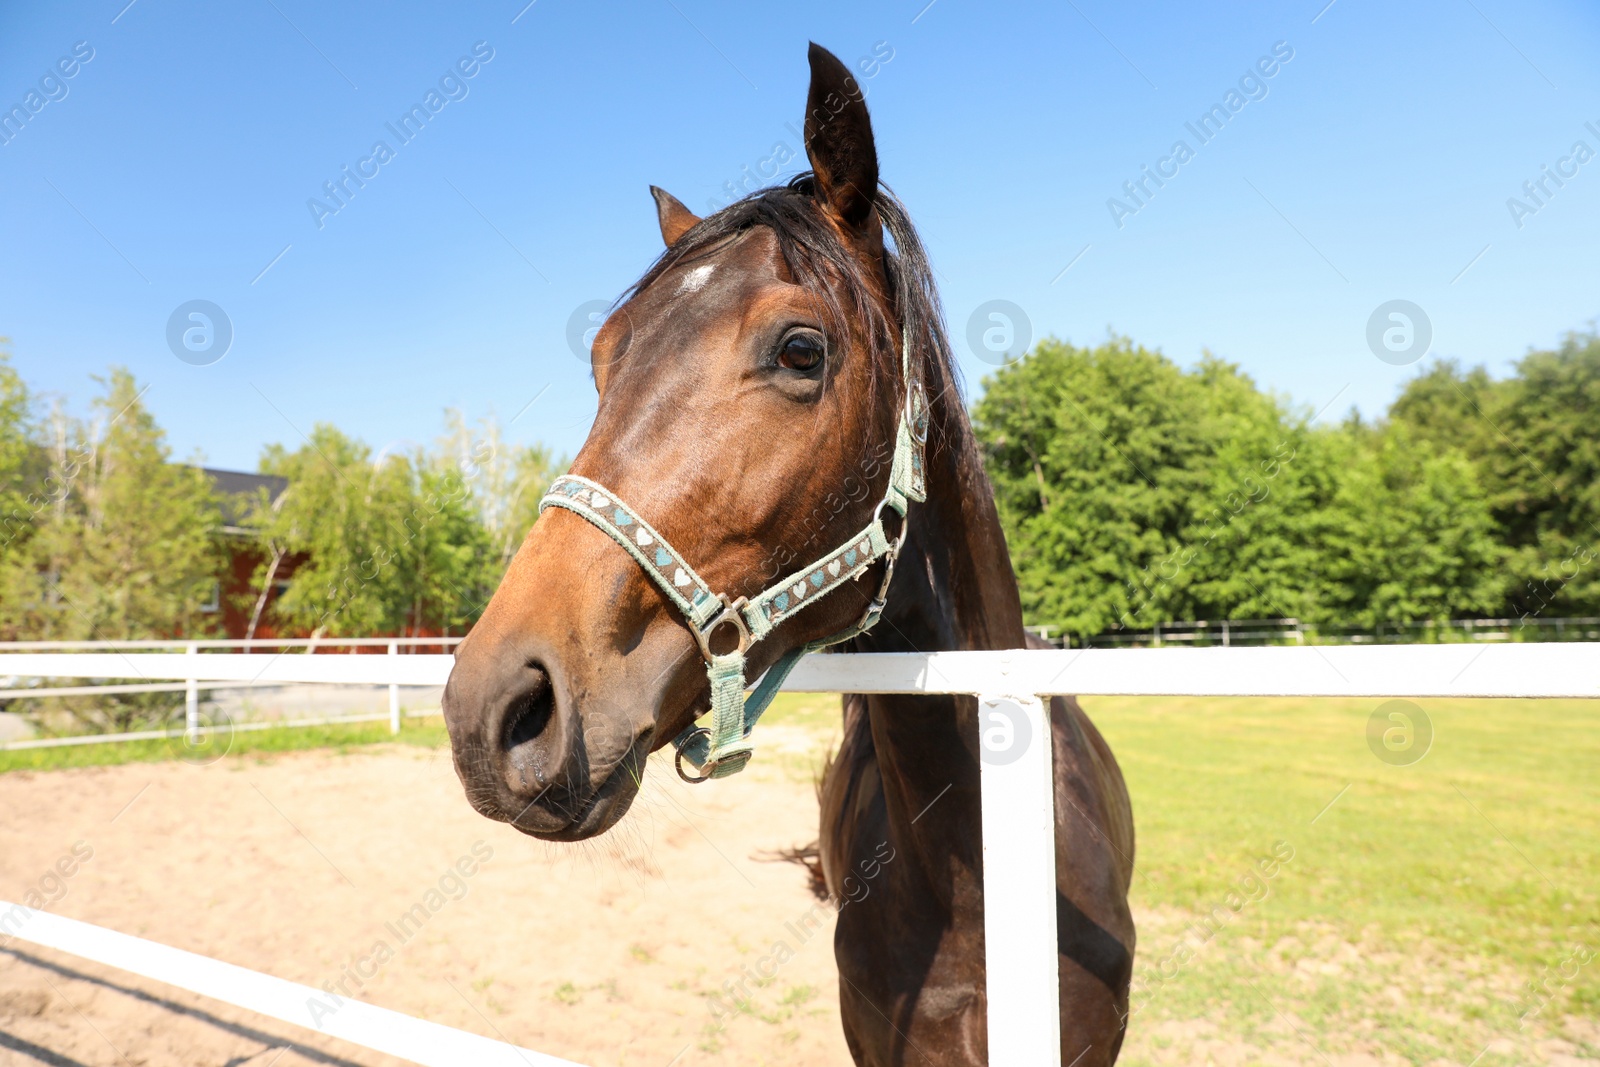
(179, 162)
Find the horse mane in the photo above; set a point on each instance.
(816, 255)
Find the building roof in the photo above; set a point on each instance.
(238, 489)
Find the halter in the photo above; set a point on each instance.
(725, 747)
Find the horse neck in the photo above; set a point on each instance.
(906, 774)
(954, 587)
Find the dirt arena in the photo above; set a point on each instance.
(300, 865)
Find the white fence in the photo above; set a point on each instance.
(1228, 632)
(1018, 832)
(190, 687)
(367, 1025)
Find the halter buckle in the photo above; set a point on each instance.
(732, 614)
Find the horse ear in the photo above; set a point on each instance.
(676, 220)
(839, 140)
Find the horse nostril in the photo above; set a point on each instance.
(527, 718)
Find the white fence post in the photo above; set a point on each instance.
(191, 701)
(394, 695)
(1019, 882)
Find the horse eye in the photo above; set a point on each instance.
(801, 352)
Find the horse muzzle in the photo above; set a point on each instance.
(526, 756)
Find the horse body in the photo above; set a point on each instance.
(749, 387)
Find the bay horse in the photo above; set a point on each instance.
(753, 385)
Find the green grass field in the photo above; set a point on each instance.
(426, 731)
(1420, 903)
(1446, 911)
(1417, 908)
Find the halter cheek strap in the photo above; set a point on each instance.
(725, 747)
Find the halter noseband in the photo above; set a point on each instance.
(725, 747)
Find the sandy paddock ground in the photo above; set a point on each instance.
(298, 865)
(608, 953)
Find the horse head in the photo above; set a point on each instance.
(751, 397)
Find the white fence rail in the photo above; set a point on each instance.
(193, 683)
(1566, 669)
(1225, 632)
(362, 1024)
(1018, 843)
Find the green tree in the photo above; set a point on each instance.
(1407, 537)
(507, 482)
(331, 515)
(1245, 543)
(389, 544)
(1443, 408)
(1134, 493)
(444, 578)
(1549, 477)
(1535, 445)
(18, 460)
(121, 548)
(125, 550)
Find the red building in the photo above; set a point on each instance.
(239, 600)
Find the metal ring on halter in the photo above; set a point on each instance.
(677, 761)
(900, 538)
(732, 613)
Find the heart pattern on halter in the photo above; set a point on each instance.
(847, 565)
(642, 536)
(681, 578)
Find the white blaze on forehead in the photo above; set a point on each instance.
(696, 279)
